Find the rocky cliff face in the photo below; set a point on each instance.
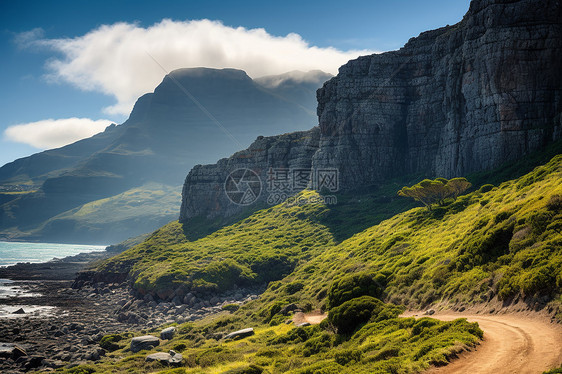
(452, 101)
(207, 191)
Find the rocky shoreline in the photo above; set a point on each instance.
(69, 333)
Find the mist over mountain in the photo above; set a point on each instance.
(194, 116)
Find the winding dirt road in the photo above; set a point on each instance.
(512, 344)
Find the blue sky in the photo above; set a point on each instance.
(77, 59)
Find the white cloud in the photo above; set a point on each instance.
(114, 59)
(54, 133)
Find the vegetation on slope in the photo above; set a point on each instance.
(111, 219)
(500, 242)
(503, 241)
(262, 248)
(386, 344)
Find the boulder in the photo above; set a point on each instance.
(240, 334)
(167, 333)
(170, 358)
(144, 342)
(33, 362)
(11, 350)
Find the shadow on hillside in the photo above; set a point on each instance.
(358, 210)
(199, 227)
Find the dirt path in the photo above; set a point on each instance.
(313, 318)
(512, 344)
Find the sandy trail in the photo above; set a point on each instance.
(313, 318)
(512, 344)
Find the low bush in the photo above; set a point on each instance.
(348, 356)
(355, 285)
(317, 344)
(486, 188)
(349, 315)
(231, 307)
(252, 369)
(109, 342)
(294, 287)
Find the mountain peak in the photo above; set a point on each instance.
(209, 73)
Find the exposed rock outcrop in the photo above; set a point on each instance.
(453, 101)
(240, 334)
(170, 358)
(144, 342)
(204, 192)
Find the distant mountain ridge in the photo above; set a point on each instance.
(165, 135)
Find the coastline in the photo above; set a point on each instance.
(62, 326)
(13, 253)
(50, 311)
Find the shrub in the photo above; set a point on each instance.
(274, 309)
(355, 285)
(386, 353)
(179, 347)
(318, 344)
(273, 267)
(486, 188)
(538, 281)
(223, 275)
(82, 369)
(484, 246)
(539, 222)
(294, 287)
(269, 352)
(231, 307)
(296, 335)
(109, 342)
(323, 367)
(349, 315)
(554, 204)
(218, 355)
(348, 356)
(252, 369)
(422, 324)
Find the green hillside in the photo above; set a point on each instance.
(109, 220)
(500, 242)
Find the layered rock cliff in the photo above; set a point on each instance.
(453, 101)
(206, 191)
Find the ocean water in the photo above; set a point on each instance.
(12, 253)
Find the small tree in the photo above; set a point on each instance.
(430, 192)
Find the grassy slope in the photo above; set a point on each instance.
(397, 345)
(504, 242)
(264, 247)
(133, 212)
